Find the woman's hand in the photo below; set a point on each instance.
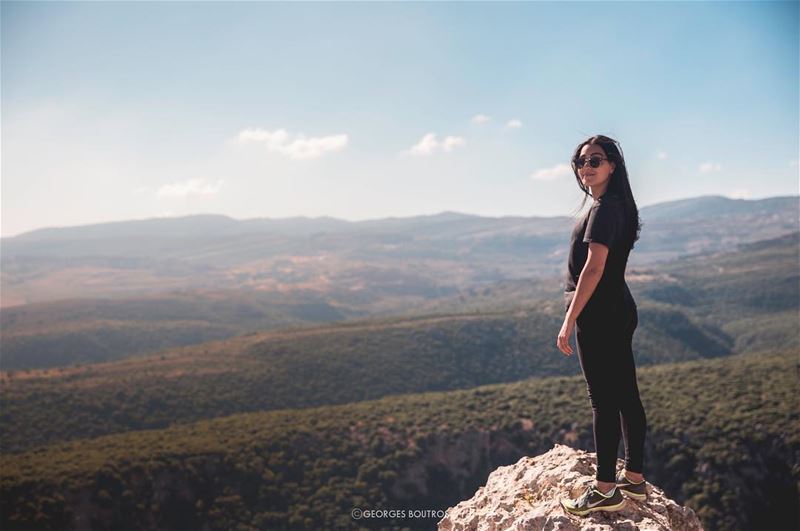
(564, 335)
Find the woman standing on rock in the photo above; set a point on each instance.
(602, 311)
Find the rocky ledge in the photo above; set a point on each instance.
(525, 496)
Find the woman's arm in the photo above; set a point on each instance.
(590, 276)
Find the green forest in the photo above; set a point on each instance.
(307, 369)
(723, 438)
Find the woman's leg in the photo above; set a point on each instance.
(596, 352)
(632, 415)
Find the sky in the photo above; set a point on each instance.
(113, 111)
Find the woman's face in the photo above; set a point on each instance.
(595, 178)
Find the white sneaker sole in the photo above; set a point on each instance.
(639, 497)
(611, 508)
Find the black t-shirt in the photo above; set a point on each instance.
(604, 223)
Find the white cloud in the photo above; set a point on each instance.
(480, 119)
(452, 142)
(296, 146)
(188, 188)
(793, 163)
(550, 174)
(708, 167)
(514, 124)
(428, 145)
(662, 155)
(739, 193)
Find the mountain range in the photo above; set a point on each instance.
(204, 372)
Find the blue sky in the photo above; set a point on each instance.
(115, 111)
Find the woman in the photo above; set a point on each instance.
(602, 311)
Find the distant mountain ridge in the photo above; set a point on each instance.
(369, 264)
(715, 205)
(201, 225)
(197, 225)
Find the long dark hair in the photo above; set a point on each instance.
(617, 182)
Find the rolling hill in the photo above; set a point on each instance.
(710, 315)
(734, 294)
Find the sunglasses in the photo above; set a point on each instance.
(594, 162)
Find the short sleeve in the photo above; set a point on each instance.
(603, 223)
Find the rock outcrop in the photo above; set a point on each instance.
(525, 496)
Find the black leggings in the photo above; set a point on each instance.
(606, 355)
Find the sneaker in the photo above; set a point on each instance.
(637, 491)
(593, 500)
